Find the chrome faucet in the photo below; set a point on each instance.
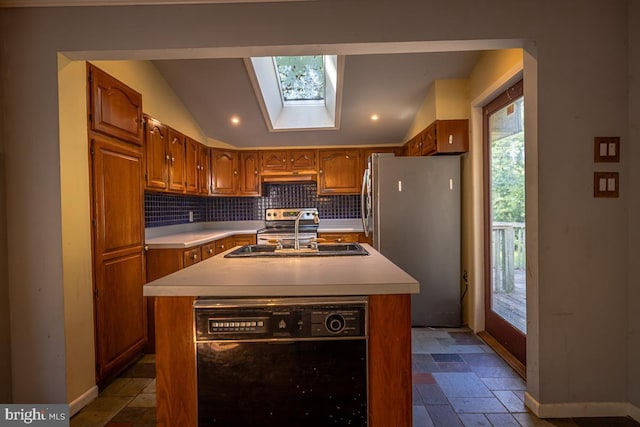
(296, 228)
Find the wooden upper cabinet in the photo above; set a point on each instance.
(192, 165)
(224, 169)
(452, 136)
(204, 169)
(114, 108)
(177, 173)
(287, 161)
(273, 161)
(340, 171)
(156, 155)
(249, 174)
(440, 137)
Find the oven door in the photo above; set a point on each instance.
(316, 383)
(286, 239)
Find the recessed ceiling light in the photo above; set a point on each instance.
(375, 117)
(235, 120)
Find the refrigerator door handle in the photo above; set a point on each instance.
(364, 207)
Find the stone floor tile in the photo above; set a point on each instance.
(561, 422)
(126, 387)
(527, 419)
(461, 384)
(432, 394)
(423, 378)
(477, 405)
(465, 338)
(510, 400)
(151, 388)
(427, 345)
(140, 370)
(606, 421)
(136, 415)
(447, 357)
(423, 363)
(415, 395)
(421, 417)
(483, 359)
(474, 420)
(443, 415)
(453, 367)
(502, 420)
(467, 349)
(99, 412)
(504, 383)
(143, 400)
(494, 372)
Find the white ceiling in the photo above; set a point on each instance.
(393, 86)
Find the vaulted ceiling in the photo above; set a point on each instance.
(394, 86)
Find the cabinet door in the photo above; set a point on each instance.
(115, 108)
(204, 170)
(156, 155)
(244, 239)
(190, 257)
(429, 140)
(452, 136)
(273, 161)
(118, 244)
(414, 146)
(192, 165)
(177, 152)
(340, 172)
(224, 165)
(339, 237)
(302, 160)
(249, 174)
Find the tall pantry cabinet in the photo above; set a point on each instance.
(117, 208)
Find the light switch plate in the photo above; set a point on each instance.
(606, 149)
(606, 184)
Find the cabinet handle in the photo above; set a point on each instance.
(339, 240)
(168, 157)
(210, 251)
(173, 159)
(320, 171)
(450, 139)
(235, 172)
(285, 160)
(194, 256)
(347, 156)
(255, 172)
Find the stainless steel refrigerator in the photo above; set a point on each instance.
(411, 207)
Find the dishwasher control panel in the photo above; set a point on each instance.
(285, 318)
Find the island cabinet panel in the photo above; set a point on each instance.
(114, 109)
(390, 380)
(340, 171)
(339, 237)
(176, 389)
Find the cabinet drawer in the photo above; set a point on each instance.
(208, 250)
(190, 257)
(339, 237)
(244, 239)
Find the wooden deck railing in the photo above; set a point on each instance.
(508, 253)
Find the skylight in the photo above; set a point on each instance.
(298, 92)
(301, 77)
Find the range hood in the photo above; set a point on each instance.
(291, 177)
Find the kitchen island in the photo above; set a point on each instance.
(387, 286)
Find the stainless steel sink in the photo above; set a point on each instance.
(325, 249)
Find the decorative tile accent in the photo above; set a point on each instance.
(169, 209)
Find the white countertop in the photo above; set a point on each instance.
(296, 276)
(191, 235)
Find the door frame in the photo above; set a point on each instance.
(506, 335)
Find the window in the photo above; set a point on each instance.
(298, 92)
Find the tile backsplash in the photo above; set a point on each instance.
(169, 209)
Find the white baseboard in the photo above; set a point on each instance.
(83, 400)
(581, 409)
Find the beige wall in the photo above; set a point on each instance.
(76, 227)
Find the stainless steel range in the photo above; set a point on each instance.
(282, 225)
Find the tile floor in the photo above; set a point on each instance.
(457, 381)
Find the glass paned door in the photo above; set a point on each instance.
(505, 311)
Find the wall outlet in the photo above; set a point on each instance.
(190, 216)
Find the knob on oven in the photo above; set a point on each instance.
(335, 323)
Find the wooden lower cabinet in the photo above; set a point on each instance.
(389, 368)
(339, 237)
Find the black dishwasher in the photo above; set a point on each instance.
(282, 362)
